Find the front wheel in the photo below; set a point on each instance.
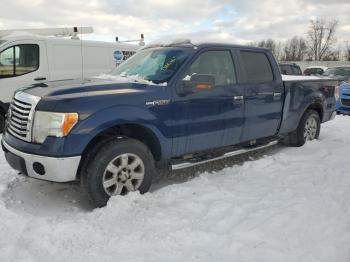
(119, 167)
(308, 129)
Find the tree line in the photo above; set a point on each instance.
(320, 44)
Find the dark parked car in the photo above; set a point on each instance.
(174, 105)
(290, 69)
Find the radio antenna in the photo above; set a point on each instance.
(81, 52)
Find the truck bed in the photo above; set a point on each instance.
(302, 91)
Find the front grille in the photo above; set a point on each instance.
(345, 102)
(20, 115)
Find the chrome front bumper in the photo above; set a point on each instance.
(42, 167)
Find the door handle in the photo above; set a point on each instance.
(39, 78)
(238, 99)
(276, 94)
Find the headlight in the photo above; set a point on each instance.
(52, 124)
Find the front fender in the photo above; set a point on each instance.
(100, 121)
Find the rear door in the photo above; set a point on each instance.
(205, 120)
(262, 95)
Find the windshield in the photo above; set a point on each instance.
(339, 71)
(156, 64)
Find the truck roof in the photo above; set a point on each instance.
(198, 43)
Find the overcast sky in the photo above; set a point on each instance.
(238, 21)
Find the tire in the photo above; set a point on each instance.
(308, 129)
(107, 171)
(2, 123)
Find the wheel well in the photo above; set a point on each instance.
(318, 108)
(138, 132)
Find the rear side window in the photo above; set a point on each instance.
(257, 67)
(19, 60)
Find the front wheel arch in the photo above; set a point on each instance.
(123, 131)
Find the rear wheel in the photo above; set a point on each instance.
(308, 129)
(118, 167)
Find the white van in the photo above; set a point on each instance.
(32, 56)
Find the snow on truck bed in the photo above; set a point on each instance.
(300, 78)
(289, 204)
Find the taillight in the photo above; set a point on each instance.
(336, 93)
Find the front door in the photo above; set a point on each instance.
(205, 119)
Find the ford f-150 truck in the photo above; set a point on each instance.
(176, 104)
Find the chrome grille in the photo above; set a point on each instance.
(20, 115)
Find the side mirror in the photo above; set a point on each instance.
(197, 83)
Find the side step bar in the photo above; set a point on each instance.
(228, 154)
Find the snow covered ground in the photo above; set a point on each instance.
(285, 204)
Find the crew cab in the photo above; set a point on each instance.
(170, 105)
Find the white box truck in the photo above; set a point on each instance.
(34, 56)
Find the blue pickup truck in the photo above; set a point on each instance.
(170, 105)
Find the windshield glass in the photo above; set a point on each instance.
(339, 71)
(156, 64)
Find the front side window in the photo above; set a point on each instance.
(7, 62)
(218, 64)
(19, 60)
(257, 67)
(313, 71)
(155, 64)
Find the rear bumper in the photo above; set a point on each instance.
(42, 167)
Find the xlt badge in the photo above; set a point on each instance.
(158, 103)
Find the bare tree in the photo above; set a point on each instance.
(347, 51)
(272, 45)
(321, 36)
(295, 49)
(334, 55)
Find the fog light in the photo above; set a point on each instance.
(39, 168)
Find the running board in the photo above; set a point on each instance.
(228, 154)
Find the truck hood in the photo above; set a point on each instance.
(90, 87)
(93, 95)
